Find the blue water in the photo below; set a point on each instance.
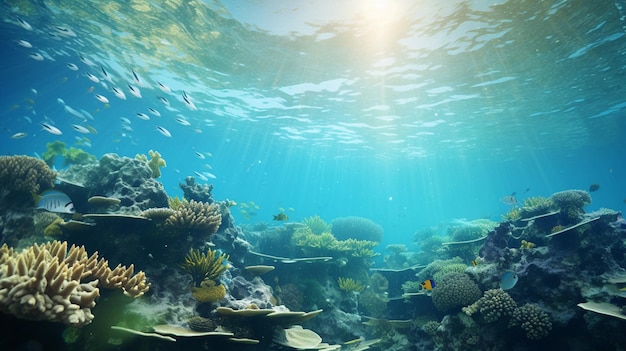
(410, 115)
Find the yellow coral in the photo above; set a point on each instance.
(203, 266)
(317, 225)
(155, 162)
(513, 215)
(208, 291)
(196, 216)
(350, 285)
(527, 245)
(175, 202)
(54, 228)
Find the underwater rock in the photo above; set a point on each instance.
(129, 180)
(243, 293)
(198, 192)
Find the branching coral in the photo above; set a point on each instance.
(350, 285)
(494, 304)
(51, 282)
(317, 225)
(203, 266)
(533, 320)
(25, 174)
(536, 205)
(197, 217)
(326, 243)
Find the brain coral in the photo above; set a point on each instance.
(455, 290)
(356, 228)
(533, 320)
(494, 304)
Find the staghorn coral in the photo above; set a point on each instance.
(455, 290)
(513, 215)
(356, 228)
(533, 320)
(51, 282)
(358, 248)
(157, 213)
(571, 203)
(536, 205)
(25, 174)
(204, 266)
(350, 285)
(174, 202)
(195, 217)
(494, 304)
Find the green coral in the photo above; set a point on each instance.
(70, 156)
(435, 267)
(350, 285)
(495, 304)
(203, 266)
(455, 290)
(513, 215)
(156, 162)
(358, 248)
(326, 243)
(449, 268)
(317, 225)
(533, 320)
(54, 228)
(208, 291)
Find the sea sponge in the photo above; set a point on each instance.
(25, 174)
(494, 304)
(54, 228)
(70, 156)
(208, 291)
(197, 218)
(455, 290)
(533, 320)
(155, 162)
(356, 228)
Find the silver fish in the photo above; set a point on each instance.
(164, 131)
(154, 112)
(86, 61)
(51, 129)
(55, 201)
(136, 78)
(183, 121)
(24, 24)
(92, 77)
(188, 102)
(135, 91)
(143, 116)
(163, 100)
(24, 43)
(80, 129)
(18, 135)
(118, 93)
(102, 99)
(164, 87)
(36, 56)
(72, 66)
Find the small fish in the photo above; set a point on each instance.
(80, 129)
(92, 77)
(188, 102)
(18, 135)
(282, 216)
(508, 280)
(24, 24)
(64, 31)
(509, 200)
(154, 112)
(134, 91)
(86, 61)
(72, 66)
(475, 262)
(33, 90)
(163, 100)
(118, 93)
(102, 99)
(594, 187)
(28, 119)
(183, 121)
(143, 116)
(36, 56)
(55, 201)
(136, 78)
(106, 75)
(200, 155)
(201, 176)
(51, 129)
(210, 175)
(164, 87)
(164, 131)
(125, 120)
(428, 285)
(25, 44)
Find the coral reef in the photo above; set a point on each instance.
(356, 228)
(495, 304)
(51, 282)
(571, 203)
(126, 179)
(208, 291)
(198, 192)
(317, 225)
(198, 219)
(205, 266)
(25, 174)
(533, 320)
(201, 324)
(454, 291)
